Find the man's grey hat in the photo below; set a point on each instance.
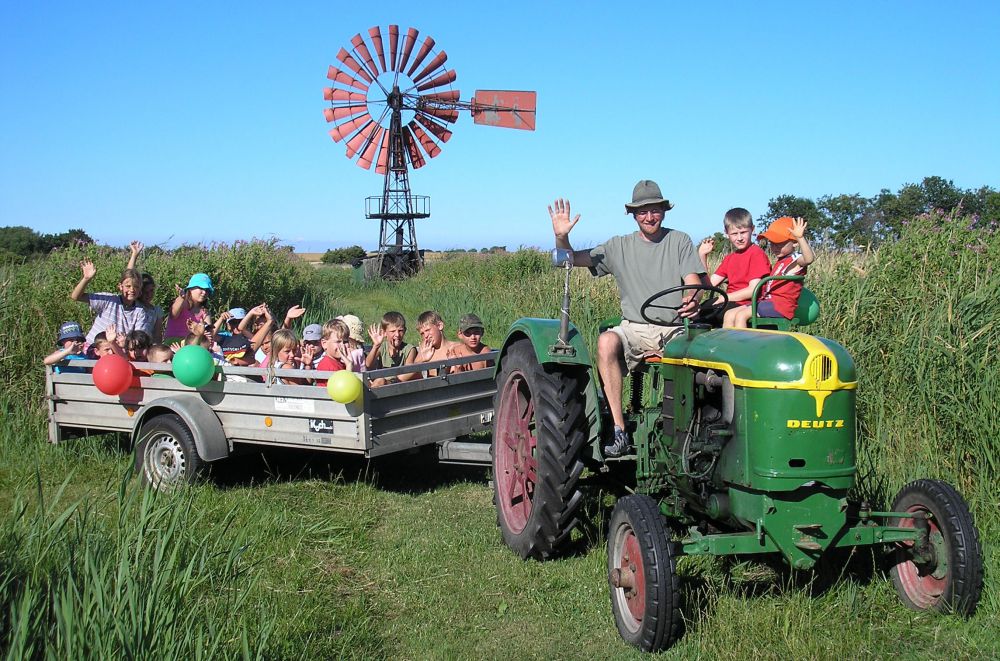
(647, 192)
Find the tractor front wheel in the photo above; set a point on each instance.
(538, 432)
(945, 572)
(642, 575)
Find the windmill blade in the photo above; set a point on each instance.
(360, 139)
(446, 78)
(331, 94)
(352, 98)
(425, 140)
(442, 97)
(416, 158)
(408, 41)
(393, 43)
(362, 49)
(382, 165)
(440, 131)
(504, 108)
(368, 155)
(375, 34)
(343, 112)
(341, 131)
(449, 115)
(338, 76)
(421, 54)
(353, 65)
(432, 66)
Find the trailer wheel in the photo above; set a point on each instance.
(538, 431)
(169, 455)
(946, 573)
(642, 575)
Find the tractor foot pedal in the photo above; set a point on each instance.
(808, 545)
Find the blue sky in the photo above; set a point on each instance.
(191, 121)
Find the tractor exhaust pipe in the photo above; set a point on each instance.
(562, 258)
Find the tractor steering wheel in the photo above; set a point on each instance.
(714, 309)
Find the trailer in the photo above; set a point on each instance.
(177, 431)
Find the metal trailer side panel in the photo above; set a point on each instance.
(430, 410)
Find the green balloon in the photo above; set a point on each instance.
(193, 366)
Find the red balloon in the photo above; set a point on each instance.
(112, 374)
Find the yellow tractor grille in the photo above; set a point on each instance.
(821, 368)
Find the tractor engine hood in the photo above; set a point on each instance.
(754, 358)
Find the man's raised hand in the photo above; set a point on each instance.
(560, 213)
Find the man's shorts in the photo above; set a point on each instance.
(638, 339)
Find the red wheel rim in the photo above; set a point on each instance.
(924, 584)
(516, 465)
(629, 578)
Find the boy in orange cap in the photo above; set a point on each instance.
(778, 298)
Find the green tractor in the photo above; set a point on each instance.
(744, 445)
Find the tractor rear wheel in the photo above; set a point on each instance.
(538, 431)
(946, 572)
(642, 575)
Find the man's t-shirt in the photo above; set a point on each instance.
(643, 268)
(111, 311)
(739, 268)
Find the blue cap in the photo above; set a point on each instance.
(237, 314)
(201, 281)
(69, 330)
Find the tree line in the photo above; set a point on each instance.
(850, 222)
(19, 242)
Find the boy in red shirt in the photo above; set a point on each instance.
(779, 298)
(334, 342)
(743, 268)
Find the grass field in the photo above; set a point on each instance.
(302, 555)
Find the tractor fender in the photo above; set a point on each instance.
(543, 334)
(209, 436)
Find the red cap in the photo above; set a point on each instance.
(780, 230)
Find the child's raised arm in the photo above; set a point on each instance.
(294, 312)
(135, 247)
(178, 305)
(376, 335)
(61, 353)
(79, 292)
(798, 230)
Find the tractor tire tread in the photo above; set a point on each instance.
(966, 565)
(560, 428)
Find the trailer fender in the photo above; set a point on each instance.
(209, 437)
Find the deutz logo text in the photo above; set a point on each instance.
(815, 424)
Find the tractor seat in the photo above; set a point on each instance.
(806, 312)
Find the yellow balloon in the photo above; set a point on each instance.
(344, 387)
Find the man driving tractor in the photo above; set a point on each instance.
(643, 263)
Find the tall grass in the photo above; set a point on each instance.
(155, 581)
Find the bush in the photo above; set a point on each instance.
(344, 255)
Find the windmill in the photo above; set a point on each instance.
(391, 101)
